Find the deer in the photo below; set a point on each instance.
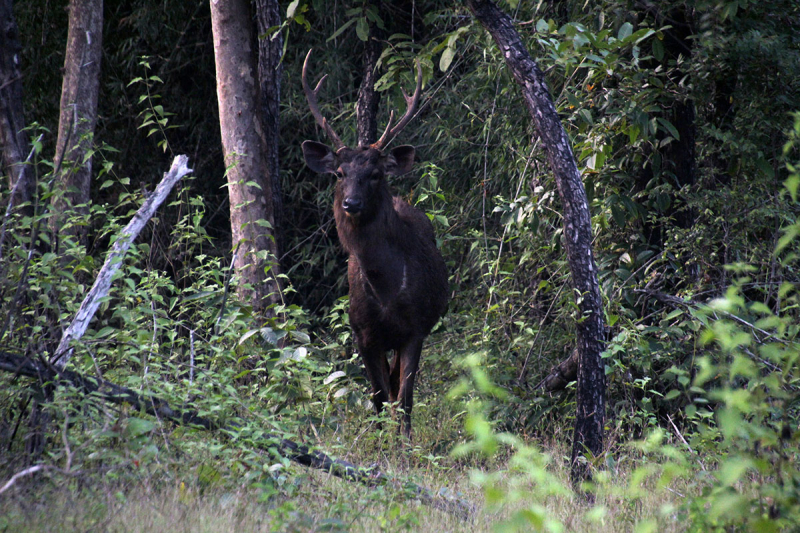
(398, 281)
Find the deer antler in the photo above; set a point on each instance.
(311, 96)
(411, 103)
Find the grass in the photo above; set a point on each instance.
(170, 493)
(299, 499)
(312, 501)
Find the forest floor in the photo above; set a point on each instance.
(301, 499)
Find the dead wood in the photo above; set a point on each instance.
(561, 374)
(114, 260)
(152, 405)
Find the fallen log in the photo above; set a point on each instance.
(110, 392)
(561, 374)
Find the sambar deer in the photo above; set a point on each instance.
(398, 279)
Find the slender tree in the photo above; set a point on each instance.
(590, 417)
(270, 71)
(368, 98)
(249, 186)
(78, 115)
(12, 121)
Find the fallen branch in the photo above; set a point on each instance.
(120, 247)
(561, 374)
(159, 408)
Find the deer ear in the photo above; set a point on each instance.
(319, 157)
(400, 160)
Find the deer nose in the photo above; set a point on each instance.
(352, 205)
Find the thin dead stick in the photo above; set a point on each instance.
(680, 436)
(114, 260)
(32, 470)
(23, 473)
(10, 206)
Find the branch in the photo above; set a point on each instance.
(13, 195)
(561, 374)
(114, 260)
(159, 408)
(23, 473)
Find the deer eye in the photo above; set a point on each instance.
(339, 174)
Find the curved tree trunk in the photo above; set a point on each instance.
(249, 188)
(12, 121)
(577, 233)
(78, 116)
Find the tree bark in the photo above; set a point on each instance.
(12, 116)
(78, 115)
(368, 98)
(590, 416)
(249, 188)
(678, 158)
(270, 72)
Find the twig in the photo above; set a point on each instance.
(226, 289)
(113, 262)
(23, 473)
(32, 470)
(680, 436)
(11, 198)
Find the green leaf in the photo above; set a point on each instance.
(340, 30)
(446, 59)
(247, 336)
(138, 426)
(292, 9)
(362, 29)
(789, 233)
(625, 31)
(671, 395)
(542, 26)
(791, 184)
(105, 332)
(658, 49)
(667, 125)
(341, 392)
(336, 375)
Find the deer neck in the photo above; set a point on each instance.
(375, 248)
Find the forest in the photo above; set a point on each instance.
(594, 241)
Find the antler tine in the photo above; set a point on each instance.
(411, 108)
(311, 96)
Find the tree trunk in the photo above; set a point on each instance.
(249, 187)
(590, 417)
(368, 98)
(678, 158)
(12, 121)
(78, 116)
(270, 71)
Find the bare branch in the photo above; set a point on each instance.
(114, 260)
(154, 406)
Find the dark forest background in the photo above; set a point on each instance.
(682, 116)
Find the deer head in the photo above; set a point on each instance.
(361, 171)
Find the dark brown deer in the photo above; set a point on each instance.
(397, 277)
